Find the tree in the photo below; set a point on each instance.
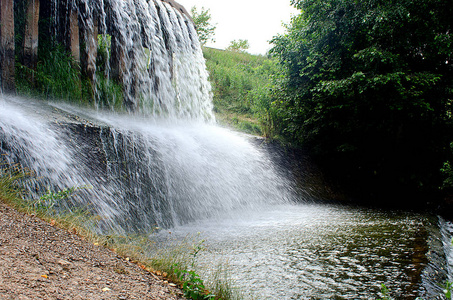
(368, 89)
(202, 21)
(239, 45)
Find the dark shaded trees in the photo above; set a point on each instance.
(368, 88)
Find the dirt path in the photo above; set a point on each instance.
(39, 261)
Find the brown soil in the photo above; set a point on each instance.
(40, 261)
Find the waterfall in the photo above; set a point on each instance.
(165, 163)
(138, 173)
(157, 57)
(148, 48)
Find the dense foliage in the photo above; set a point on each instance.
(368, 88)
(241, 84)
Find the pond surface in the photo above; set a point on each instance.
(310, 251)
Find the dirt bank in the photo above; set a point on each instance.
(40, 261)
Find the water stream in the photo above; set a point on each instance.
(311, 251)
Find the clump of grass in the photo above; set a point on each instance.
(11, 191)
(57, 76)
(447, 292)
(192, 285)
(222, 285)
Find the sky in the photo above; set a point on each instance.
(254, 20)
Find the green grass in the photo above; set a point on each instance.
(58, 76)
(11, 191)
(241, 88)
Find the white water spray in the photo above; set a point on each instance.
(142, 173)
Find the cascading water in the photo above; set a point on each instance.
(148, 47)
(167, 165)
(153, 50)
(141, 174)
(155, 53)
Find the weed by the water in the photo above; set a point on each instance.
(47, 202)
(192, 285)
(385, 292)
(10, 189)
(446, 292)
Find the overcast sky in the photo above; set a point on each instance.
(254, 20)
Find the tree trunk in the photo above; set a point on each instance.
(74, 35)
(89, 52)
(31, 35)
(7, 82)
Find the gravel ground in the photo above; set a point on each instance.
(40, 261)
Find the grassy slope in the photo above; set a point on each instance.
(240, 82)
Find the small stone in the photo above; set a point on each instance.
(63, 262)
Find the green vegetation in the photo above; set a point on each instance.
(193, 285)
(12, 192)
(367, 88)
(385, 293)
(448, 287)
(202, 21)
(10, 188)
(241, 89)
(58, 76)
(238, 45)
(447, 290)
